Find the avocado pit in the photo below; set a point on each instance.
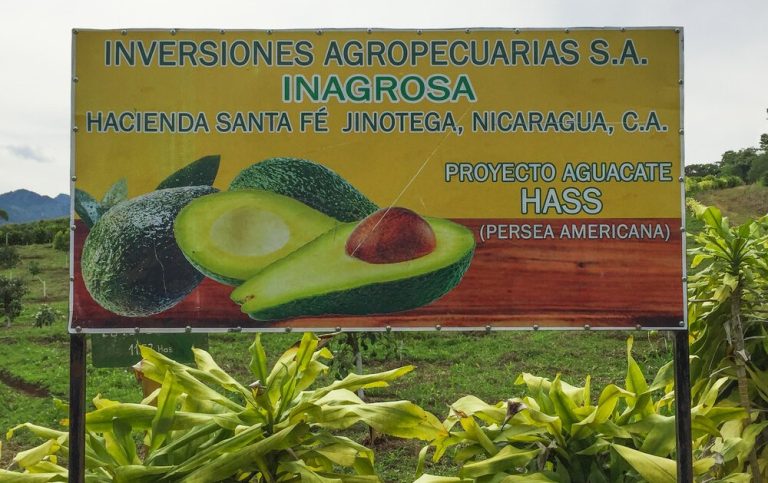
(391, 235)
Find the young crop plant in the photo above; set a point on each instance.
(561, 433)
(727, 317)
(202, 425)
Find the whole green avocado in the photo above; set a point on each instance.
(131, 263)
(311, 183)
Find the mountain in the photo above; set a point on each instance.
(24, 206)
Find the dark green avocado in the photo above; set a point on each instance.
(320, 278)
(198, 173)
(131, 263)
(311, 183)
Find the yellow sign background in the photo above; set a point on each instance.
(404, 169)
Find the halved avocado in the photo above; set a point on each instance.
(230, 236)
(321, 279)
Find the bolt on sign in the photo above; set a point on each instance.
(375, 179)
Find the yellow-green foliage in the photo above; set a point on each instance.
(564, 433)
(202, 425)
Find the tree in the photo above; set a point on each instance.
(12, 290)
(3, 214)
(701, 170)
(61, 240)
(759, 169)
(738, 163)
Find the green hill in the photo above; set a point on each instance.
(739, 204)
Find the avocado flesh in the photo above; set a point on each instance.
(321, 279)
(131, 264)
(311, 183)
(231, 236)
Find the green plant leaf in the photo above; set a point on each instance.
(475, 433)
(563, 404)
(115, 194)
(229, 445)
(87, 208)
(474, 406)
(652, 468)
(39, 431)
(441, 479)
(396, 418)
(659, 433)
(201, 172)
(353, 382)
(607, 402)
(13, 477)
(166, 409)
(258, 365)
(530, 477)
(509, 457)
(32, 456)
(187, 439)
(228, 464)
(140, 473)
(206, 364)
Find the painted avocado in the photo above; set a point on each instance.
(321, 278)
(230, 236)
(131, 264)
(311, 183)
(201, 172)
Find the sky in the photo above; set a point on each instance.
(726, 58)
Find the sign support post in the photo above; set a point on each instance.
(683, 407)
(77, 408)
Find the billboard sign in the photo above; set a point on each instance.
(372, 179)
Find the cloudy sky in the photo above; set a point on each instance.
(726, 58)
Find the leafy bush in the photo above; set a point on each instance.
(34, 268)
(46, 316)
(370, 345)
(274, 429)
(710, 182)
(726, 315)
(558, 432)
(9, 257)
(12, 290)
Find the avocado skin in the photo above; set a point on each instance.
(377, 298)
(131, 263)
(311, 183)
(198, 173)
(232, 282)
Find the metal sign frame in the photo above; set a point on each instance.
(78, 337)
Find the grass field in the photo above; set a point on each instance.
(34, 361)
(739, 203)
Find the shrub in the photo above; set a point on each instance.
(275, 429)
(46, 316)
(558, 432)
(9, 257)
(34, 268)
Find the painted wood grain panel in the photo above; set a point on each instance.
(551, 282)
